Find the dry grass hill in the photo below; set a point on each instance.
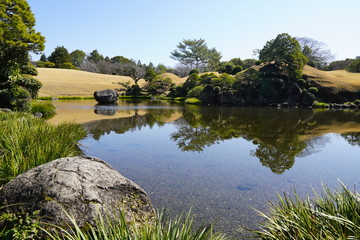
(65, 82)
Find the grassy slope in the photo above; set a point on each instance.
(339, 79)
(64, 82)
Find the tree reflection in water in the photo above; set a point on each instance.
(280, 135)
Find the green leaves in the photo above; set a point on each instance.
(285, 52)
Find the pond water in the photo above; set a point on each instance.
(223, 162)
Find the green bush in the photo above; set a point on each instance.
(27, 142)
(194, 71)
(29, 69)
(193, 101)
(313, 90)
(45, 64)
(195, 92)
(31, 84)
(47, 109)
(67, 65)
(15, 98)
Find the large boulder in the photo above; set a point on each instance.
(294, 94)
(308, 99)
(82, 186)
(106, 96)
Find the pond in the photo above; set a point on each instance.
(222, 162)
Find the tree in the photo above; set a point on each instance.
(77, 57)
(59, 56)
(196, 54)
(95, 56)
(43, 58)
(17, 38)
(354, 66)
(285, 52)
(133, 70)
(316, 52)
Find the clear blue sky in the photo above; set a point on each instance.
(150, 30)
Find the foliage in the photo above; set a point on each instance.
(195, 101)
(354, 66)
(27, 142)
(196, 54)
(286, 53)
(134, 90)
(46, 108)
(194, 71)
(230, 68)
(95, 56)
(77, 57)
(224, 81)
(17, 38)
(331, 215)
(67, 65)
(19, 226)
(31, 84)
(313, 90)
(45, 64)
(159, 86)
(340, 65)
(29, 69)
(316, 52)
(59, 56)
(133, 70)
(195, 92)
(162, 228)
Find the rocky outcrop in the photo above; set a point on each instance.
(308, 99)
(106, 96)
(82, 186)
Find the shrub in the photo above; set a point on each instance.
(45, 64)
(67, 65)
(15, 98)
(193, 101)
(195, 92)
(313, 90)
(29, 69)
(31, 84)
(236, 70)
(47, 109)
(27, 142)
(194, 71)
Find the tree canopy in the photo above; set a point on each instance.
(285, 52)
(17, 38)
(196, 54)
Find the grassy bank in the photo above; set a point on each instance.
(27, 142)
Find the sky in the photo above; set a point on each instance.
(150, 30)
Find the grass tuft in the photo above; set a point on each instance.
(27, 142)
(331, 215)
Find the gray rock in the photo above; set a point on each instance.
(82, 186)
(294, 94)
(5, 110)
(106, 96)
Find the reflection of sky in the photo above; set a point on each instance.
(224, 180)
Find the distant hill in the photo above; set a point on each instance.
(65, 82)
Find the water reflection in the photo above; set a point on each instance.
(280, 135)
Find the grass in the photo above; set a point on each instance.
(117, 228)
(331, 215)
(47, 109)
(27, 142)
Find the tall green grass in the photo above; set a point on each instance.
(331, 215)
(111, 228)
(27, 142)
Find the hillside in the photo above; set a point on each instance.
(339, 79)
(66, 82)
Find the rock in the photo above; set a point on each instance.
(5, 110)
(82, 186)
(38, 114)
(294, 94)
(226, 98)
(106, 96)
(308, 99)
(107, 110)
